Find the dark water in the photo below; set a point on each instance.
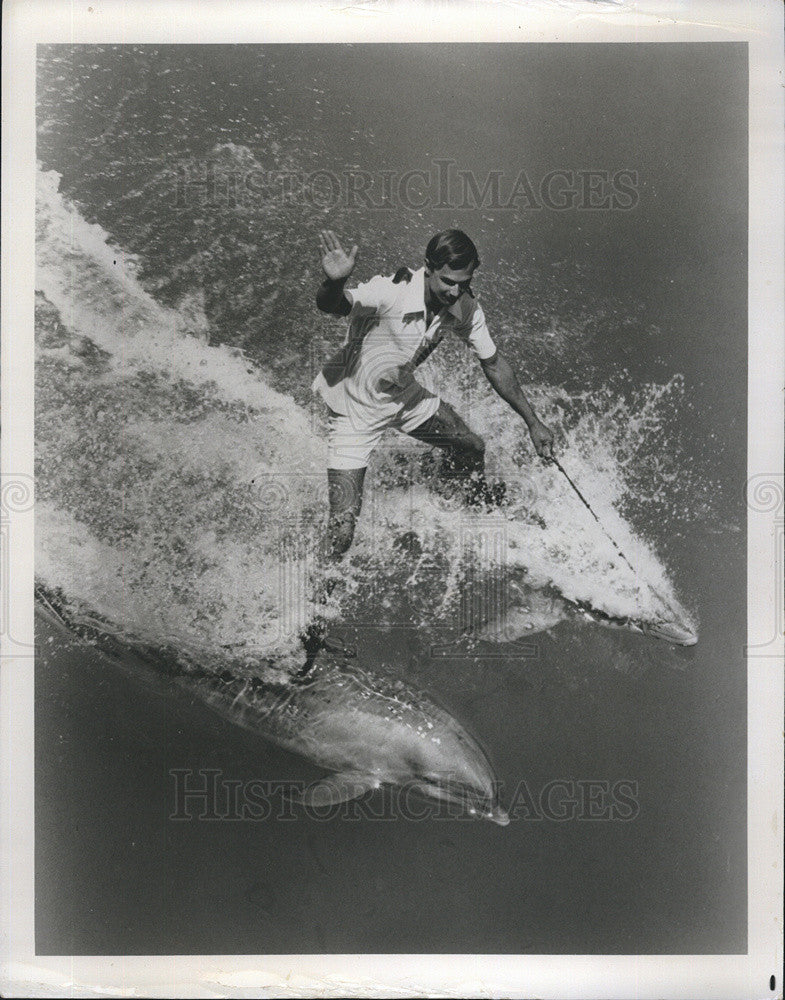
(605, 303)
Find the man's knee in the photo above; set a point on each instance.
(462, 437)
(476, 445)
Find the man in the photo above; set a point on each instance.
(369, 385)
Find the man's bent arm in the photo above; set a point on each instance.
(331, 299)
(502, 378)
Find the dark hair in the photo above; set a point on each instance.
(451, 248)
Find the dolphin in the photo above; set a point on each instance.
(529, 611)
(365, 730)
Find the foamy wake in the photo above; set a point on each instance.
(181, 497)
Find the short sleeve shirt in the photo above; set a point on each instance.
(371, 377)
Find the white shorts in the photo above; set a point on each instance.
(350, 445)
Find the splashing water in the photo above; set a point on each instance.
(181, 497)
(171, 477)
(545, 539)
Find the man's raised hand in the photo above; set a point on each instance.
(336, 263)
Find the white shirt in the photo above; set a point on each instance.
(371, 378)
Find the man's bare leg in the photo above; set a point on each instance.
(465, 458)
(345, 491)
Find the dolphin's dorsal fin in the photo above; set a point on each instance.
(336, 788)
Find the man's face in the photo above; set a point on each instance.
(444, 286)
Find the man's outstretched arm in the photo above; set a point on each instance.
(337, 266)
(502, 378)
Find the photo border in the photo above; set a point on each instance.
(166, 21)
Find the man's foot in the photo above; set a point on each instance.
(316, 638)
(312, 639)
(480, 493)
(408, 543)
